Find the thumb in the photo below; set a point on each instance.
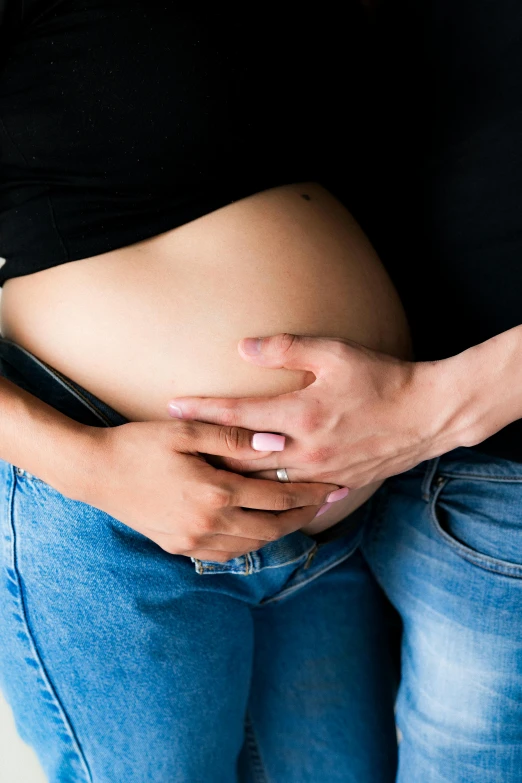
(294, 352)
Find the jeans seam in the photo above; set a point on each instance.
(327, 567)
(480, 476)
(485, 562)
(248, 569)
(427, 481)
(15, 577)
(258, 768)
(375, 527)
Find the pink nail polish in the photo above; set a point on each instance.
(323, 508)
(174, 410)
(337, 494)
(268, 441)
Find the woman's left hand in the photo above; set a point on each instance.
(366, 416)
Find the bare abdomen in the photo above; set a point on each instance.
(162, 318)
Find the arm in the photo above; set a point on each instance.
(45, 442)
(480, 391)
(367, 415)
(195, 509)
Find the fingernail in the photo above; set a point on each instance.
(174, 410)
(322, 510)
(268, 441)
(251, 345)
(337, 494)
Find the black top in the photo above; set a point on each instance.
(446, 212)
(120, 119)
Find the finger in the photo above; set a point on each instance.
(255, 413)
(194, 437)
(270, 527)
(294, 352)
(225, 543)
(274, 496)
(294, 475)
(268, 463)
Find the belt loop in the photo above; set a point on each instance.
(431, 469)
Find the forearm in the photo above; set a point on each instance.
(475, 393)
(45, 442)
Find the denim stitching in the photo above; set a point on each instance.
(202, 566)
(481, 476)
(286, 562)
(249, 568)
(327, 567)
(253, 752)
(373, 530)
(431, 468)
(487, 563)
(16, 579)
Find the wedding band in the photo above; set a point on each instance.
(282, 475)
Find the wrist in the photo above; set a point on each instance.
(474, 394)
(77, 465)
(43, 441)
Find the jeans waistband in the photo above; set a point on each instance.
(467, 463)
(35, 376)
(60, 392)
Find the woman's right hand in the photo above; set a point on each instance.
(153, 477)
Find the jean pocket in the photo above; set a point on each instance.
(481, 520)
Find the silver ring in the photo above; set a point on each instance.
(282, 475)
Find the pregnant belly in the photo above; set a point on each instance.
(162, 318)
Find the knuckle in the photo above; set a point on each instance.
(201, 528)
(188, 542)
(284, 342)
(227, 417)
(216, 497)
(308, 419)
(288, 500)
(185, 431)
(231, 437)
(338, 350)
(317, 455)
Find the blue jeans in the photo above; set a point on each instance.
(125, 664)
(446, 545)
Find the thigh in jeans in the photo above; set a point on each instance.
(119, 661)
(446, 545)
(321, 701)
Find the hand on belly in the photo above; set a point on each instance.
(162, 318)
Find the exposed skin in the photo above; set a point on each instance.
(368, 416)
(162, 318)
(195, 509)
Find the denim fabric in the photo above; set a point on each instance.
(125, 664)
(446, 545)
